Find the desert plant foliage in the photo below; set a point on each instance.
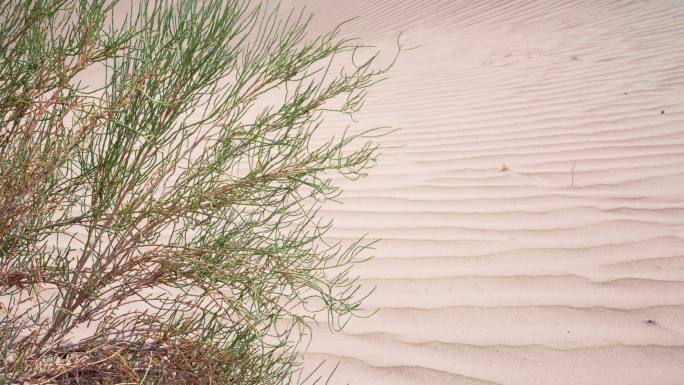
(162, 168)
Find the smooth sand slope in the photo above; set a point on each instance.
(532, 206)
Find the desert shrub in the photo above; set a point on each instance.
(161, 170)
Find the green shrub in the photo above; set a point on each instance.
(161, 175)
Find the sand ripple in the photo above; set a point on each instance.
(532, 204)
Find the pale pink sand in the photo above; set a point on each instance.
(566, 268)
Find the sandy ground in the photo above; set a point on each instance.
(532, 206)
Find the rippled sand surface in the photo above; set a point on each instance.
(532, 205)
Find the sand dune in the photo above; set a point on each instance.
(531, 207)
